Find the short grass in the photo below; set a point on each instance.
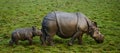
(26, 13)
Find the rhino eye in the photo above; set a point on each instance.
(97, 32)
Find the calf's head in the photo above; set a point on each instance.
(95, 33)
(36, 32)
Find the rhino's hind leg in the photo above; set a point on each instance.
(49, 29)
(73, 38)
(11, 42)
(47, 36)
(50, 41)
(43, 38)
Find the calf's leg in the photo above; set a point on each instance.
(11, 42)
(16, 41)
(30, 41)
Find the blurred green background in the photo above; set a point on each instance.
(26, 13)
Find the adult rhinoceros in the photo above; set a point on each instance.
(67, 25)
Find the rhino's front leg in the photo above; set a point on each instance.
(73, 38)
(16, 41)
(30, 41)
(80, 38)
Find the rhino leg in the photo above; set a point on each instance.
(49, 30)
(80, 38)
(47, 37)
(43, 37)
(11, 42)
(73, 38)
(30, 41)
(15, 38)
(16, 41)
(50, 40)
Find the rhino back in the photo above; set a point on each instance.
(23, 33)
(67, 23)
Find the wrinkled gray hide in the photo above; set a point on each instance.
(65, 25)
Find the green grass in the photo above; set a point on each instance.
(26, 13)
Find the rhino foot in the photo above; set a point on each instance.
(70, 44)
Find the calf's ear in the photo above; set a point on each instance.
(34, 28)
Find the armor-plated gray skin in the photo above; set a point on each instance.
(67, 25)
(24, 34)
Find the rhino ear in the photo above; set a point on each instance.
(94, 23)
(34, 28)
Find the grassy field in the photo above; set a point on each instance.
(26, 13)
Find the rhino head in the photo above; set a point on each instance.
(95, 33)
(36, 32)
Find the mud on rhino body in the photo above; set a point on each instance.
(24, 34)
(67, 25)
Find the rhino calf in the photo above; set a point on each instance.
(24, 34)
